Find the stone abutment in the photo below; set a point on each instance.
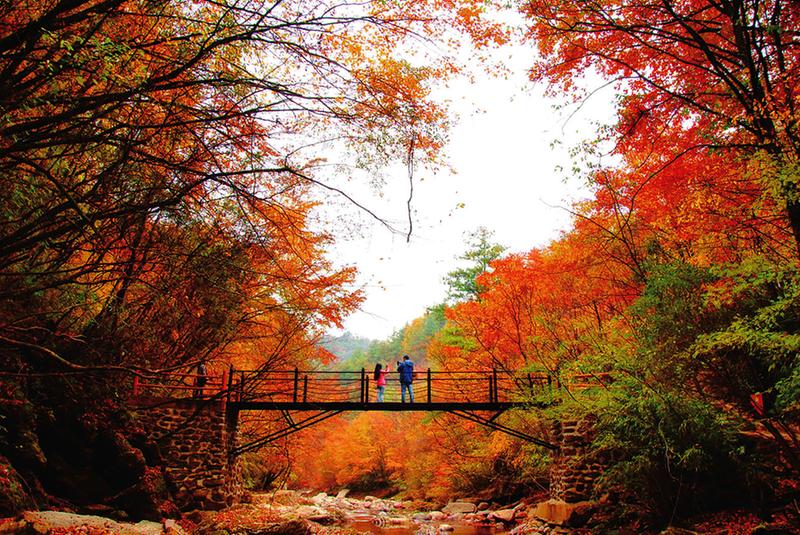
(195, 439)
(575, 467)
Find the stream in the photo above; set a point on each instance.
(458, 529)
(390, 517)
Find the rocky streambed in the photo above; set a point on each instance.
(342, 514)
(287, 512)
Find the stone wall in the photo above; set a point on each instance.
(195, 439)
(574, 467)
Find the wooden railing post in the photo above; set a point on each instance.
(222, 382)
(429, 385)
(230, 384)
(305, 388)
(135, 385)
(494, 377)
(241, 387)
(491, 389)
(296, 384)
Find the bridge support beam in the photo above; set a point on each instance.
(291, 427)
(492, 424)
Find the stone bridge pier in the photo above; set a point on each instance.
(573, 473)
(195, 440)
(574, 469)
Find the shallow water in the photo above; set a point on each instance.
(411, 528)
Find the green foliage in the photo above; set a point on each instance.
(730, 331)
(756, 351)
(674, 453)
(481, 250)
(413, 339)
(671, 312)
(704, 341)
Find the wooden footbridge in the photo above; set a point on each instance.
(305, 398)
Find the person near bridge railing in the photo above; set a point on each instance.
(200, 380)
(380, 380)
(406, 371)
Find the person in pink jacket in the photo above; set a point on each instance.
(380, 381)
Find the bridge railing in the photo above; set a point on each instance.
(181, 385)
(299, 386)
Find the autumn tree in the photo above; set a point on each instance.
(695, 78)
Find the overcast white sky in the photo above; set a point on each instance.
(506, 176)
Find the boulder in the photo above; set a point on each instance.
(318, 514)
(483, 506)
(44, 522)
(319, 498)
(459, 507)
(171, 527)
(560, 512)
(581, 515)
(503, 515)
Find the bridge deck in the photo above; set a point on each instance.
(387, 406)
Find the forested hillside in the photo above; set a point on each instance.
(345, 345)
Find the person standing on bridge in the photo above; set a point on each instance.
(200, 380)
(406, 371)
(380, 380)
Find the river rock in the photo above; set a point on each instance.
(171, 527)
(380, 505)
(459, 507)
(316, 514)
(436, 516)
(320, 498)
(43, 522)
(483, 506)
(343, 493)
(559, 512)
(503, 515)
(445, 528)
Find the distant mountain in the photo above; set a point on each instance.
(345, 345)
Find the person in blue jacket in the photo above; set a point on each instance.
(406, 371)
